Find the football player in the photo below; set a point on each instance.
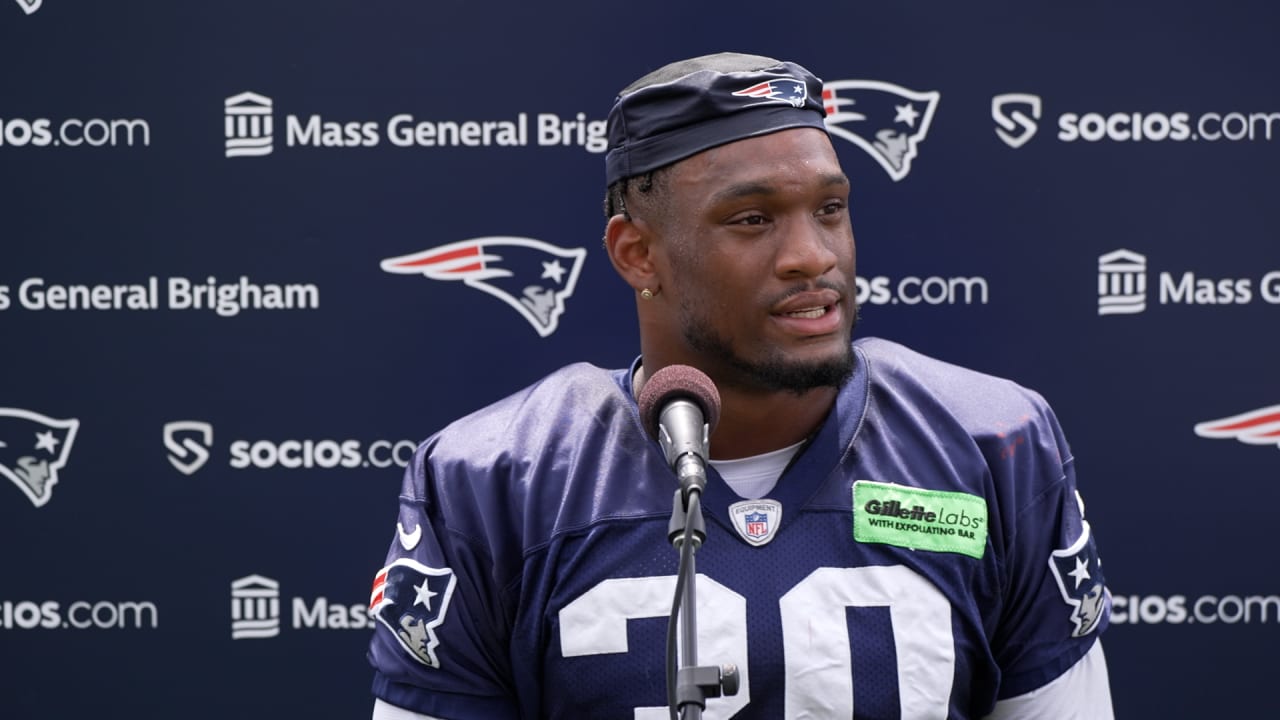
(887, 535)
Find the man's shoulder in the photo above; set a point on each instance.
(978, 400)
(551, 405)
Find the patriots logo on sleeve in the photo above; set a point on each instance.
(33, 448)
(1256, 427)
(887, 121)
(1079, 574)
(412, 600)
(531, 276)
(788, 90)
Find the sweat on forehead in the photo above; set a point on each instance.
(693, 105)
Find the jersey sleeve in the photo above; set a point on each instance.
(1083, 692)
(439, 644)
(1055, 598)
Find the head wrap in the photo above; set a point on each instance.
(693, 105)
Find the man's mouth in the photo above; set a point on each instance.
(808, 313)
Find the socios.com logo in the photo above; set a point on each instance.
(1205, 609)
(40, 132)
(190, 446)
(1017, 118)
(188, 443)
(79, 615)
(916, 290)
(292, 454)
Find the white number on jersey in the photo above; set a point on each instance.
(815, 636)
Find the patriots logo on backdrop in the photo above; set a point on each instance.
(411, 600)
(1079, 574)
(1256, 427)
(531, 276)
(886, 120)
(30, 6)
(789, 91)
(33, 448)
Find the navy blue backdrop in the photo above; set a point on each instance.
(215, 366)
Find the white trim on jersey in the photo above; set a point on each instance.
(1083, 692)
(387, 711)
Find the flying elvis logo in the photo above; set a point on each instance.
(888, 121)
(411, 600)
(533, 277)
(788, 90)
(1256, 427)
(33, 448)
(30, 6)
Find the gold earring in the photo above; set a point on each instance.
(647, 294)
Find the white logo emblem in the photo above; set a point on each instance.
(30, 6)
(186, 454)
(33, 448)
(756, 520)
(248, 125)
(1016, 119)
(255, 607)
(533, 277)
(409, 540)
(1122, 283)
(886, 120)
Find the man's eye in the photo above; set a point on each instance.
(831, 208)
(750, 220)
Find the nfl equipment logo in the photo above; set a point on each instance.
(756, 521)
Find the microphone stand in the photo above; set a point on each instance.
(686, 532)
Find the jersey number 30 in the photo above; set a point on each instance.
(816, 650)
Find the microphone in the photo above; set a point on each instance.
(679, 407)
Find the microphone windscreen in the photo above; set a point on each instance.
(673, 382)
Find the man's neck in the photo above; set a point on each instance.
(753, 422)
(759, 422)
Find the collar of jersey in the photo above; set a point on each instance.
(811, 467)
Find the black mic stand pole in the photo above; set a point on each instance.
(687, 531)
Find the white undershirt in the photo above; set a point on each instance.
(754, 477)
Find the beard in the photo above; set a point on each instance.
(773, 371)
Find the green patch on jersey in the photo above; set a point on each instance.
(935, 520)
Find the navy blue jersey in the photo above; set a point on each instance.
(923, 555)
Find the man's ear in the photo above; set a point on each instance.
(630, 246)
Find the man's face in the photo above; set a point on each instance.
(760, 249)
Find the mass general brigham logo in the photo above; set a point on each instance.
(1122, 283)
(249, 126)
